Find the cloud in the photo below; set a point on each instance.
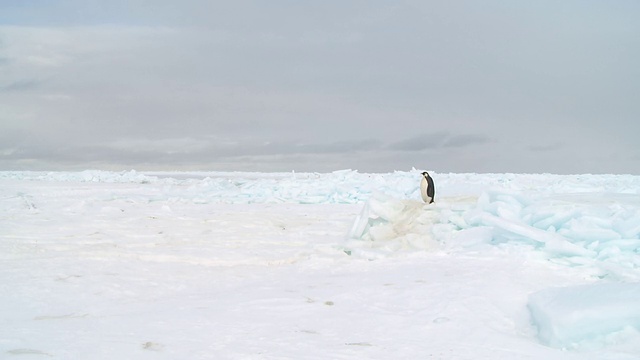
(21, 85)
(177, 150)
(438, 140)
(159, 146)
(238, 81)
(546, 147)
(337, 147)
(459, 141)
(421, 142)
(237, 149)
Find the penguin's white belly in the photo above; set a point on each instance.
(423, 191)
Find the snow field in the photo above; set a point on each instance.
(342, 265)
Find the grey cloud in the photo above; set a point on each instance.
(12, 137)
(438, 140)
(292, 148)
(21, 85)
(546, 147)
(200, 153)
(310, 80)
(421, 142)
(334, 147)
(465, 140)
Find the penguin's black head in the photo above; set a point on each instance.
(425, 174)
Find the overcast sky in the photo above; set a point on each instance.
(280, 85)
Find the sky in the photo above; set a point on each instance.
(281, 85)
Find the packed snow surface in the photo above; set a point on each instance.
(345, 265)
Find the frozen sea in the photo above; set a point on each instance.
(342, 265)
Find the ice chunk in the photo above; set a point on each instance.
(473, 236)
(368, 216)
(566, 317)
(552, 242)
(628, 224)
(545, 217)
(388, 225)
(580, 232)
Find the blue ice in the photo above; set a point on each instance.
(569, 317)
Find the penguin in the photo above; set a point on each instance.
(427, 189)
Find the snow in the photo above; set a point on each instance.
(344, 265)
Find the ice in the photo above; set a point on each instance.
(388, 224)
(569, 316)
(599, 230)
(201, 265)
(82, 176)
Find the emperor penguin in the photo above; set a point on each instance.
(427, 189)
